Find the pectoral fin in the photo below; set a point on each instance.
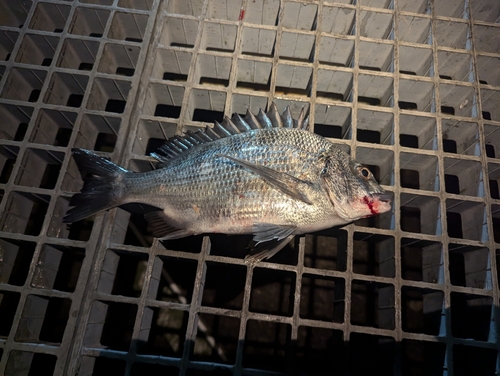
(288, 184)
(264, 232)
(267, 250)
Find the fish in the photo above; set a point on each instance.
(267, 175)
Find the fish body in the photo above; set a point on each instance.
(271, 181)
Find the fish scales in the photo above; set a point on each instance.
(252, 178)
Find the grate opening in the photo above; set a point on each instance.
(109, 95)
(17, 257)
(15, 13)
(267, 345)
(37, 49)
(219, 344)
(416, 95)
(152, 369)
(53, 127)
(224, 286)
(471, 316)
(119, 59)
(8, 157)
(422, 260)
(326, 251)
(371, 354)
(80, 230)
(456, 211)
(50, 17)
(272, 292)
(8, 306)
(43, 320)
(373, 255)
(24, 84)
(322, 298)
(422, 357)
(422, 311)
(18, 117)
(25, 213)
(372, 304)
(89, 22)
(128, 27)
(486, 360)
(123, 273)
(29, 363)
(469, 266)
(39, 168)
(101, 365)
(163, 332)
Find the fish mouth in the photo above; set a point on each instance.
(382, 197)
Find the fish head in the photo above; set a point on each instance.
(351, 187)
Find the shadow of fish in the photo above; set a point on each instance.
(263, 174)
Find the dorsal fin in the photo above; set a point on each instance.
(177, 145)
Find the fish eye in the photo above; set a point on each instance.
(364, 172)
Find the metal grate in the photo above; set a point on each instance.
(410, 88)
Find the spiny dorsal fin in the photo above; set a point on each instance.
(177, 145)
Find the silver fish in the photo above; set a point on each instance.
(265, 175)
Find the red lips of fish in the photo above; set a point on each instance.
(372, 204)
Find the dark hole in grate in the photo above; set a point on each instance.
(483, 364)
(56, 317)
(421, 261)
(62, 137)
(454, 223)
(165, 110)
(410, 179)
(483, 82)
(123, 71)
(322, 298)
(44, 362)
(8, 307)
(35, 94)
(370, 68)
(452, 184)
(371, 355)
(95, 35)
(410, 219)
(115, 105)
(486, 115)
(267, 345)
(332, 96)
(225, 331)
(407, 105)
(449, 146)
(496, 229)
(214, 81)
(272, 292)
(421, 310)
(24, 254)
(151, 369)
(81, 230)
(448, 110)
(182, 272)
(326, 250)
(470, 316)
(226, 50)
(254, 86)
(421, 358)
(106, 366)
(408, 140)
(183, 45)
(372, 304)
(167, 331)
(174, 76)
(46, 62)
(207, 115)
(49, 178)
(105, 142)
(191, 244)
(368, 136)
(130, 39)
(216, 371)
(75, 100)
(59, 30)
(292, 90)
(494, 189)
(442, 76)
(370, 101)
(490, 151)
(224, 286)
(318, 350)
(7, 170)
(130, 274)
(137, 232)
(407, 72)
(36, 218)
(7, 57)
(21, 132)
(457, 269)
(331, 131)
(118, 326)
(153, 145)
(85, 66)
(69, 269)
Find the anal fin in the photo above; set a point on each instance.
(160, 228)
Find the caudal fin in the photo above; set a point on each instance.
(104, 189)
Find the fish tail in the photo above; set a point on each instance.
(103, 189)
